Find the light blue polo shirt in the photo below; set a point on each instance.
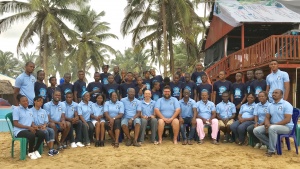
(113, 109)
(148, 108)
(204, 110)
(187, 108)
(278, 110)
(276, 81)
(131, 107)
(260, 111)
(167, 107)
(247, 110)
(85, 110)
(40, 116)
(97, 109)
(55, 111)
(225, 110)
(26, 85)
(24, 117)
(71, 109)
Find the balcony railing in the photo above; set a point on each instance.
(284, 48)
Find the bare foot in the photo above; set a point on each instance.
(175, 141)
(159, 141)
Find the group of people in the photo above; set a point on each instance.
(118, 103)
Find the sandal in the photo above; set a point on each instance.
(116, 145)
(184, 142)
(200, 142)
(189, 142)
(215, 142)
(155, 143)
(269, 154)
(113, 143)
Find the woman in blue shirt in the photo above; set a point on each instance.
(25, 128)
(98, 119)
(113, 112)
(245, 119)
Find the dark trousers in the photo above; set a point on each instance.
(78, 131)
(250, 131)
(88, 132)
(31, 139)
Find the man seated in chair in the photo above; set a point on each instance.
(131, 117)
(278, 121)
(187, 116)
(56, 115)
(167, 110)
(206, 115)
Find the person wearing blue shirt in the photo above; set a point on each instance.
(52, 88)
(156, 92)
(238, 93)
(116, 75)
(167, 109)
(95, 87)
(24, 127)
(84, 111)
(187, 116)
(196, 76)
(259, 84)
(79, 86)
(148, 117)
(204, 86)
(25, 84)
(190, 85)
(278, 121)
(259, 113)
(40, 89)
(112, 86)
(147, 80)
(206, 115)
(250, 77)
(277, 80)
(41, 120)
(140, 88)
(98, 119)
(104, 75)
(155, 78)
(126, 85)
(71, 115)
(176, 87)
(56, 115)
(132, 114)
(245, 119)
(226, 112)
(66, 86)
(113, 112)
(219, 87)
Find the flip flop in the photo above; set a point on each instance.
(155, 143)
(215, 142)
(184, 142)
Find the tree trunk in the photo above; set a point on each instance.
(45, 54)
(164, 19)
(171, 55)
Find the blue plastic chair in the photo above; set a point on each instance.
(295, 117)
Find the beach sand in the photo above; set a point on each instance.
(166, 155)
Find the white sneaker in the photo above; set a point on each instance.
(257, 145)
(73, 145)
(79, 144)
(37, 154)
(263, 147)
(32, 156)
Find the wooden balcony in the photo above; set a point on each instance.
(284, 48)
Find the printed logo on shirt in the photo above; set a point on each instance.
(278, 77)
(208, 107)
(111, 90)
(83, 89)
(198, 80)
(105, 81)
(73, 109)
(59, 108)
(265, 110)
(176, 91)
(251, 107)
(257, 90)
(222, 89)
(189, 104)
(237, 93)
(280, 108)
(31, 114)
(94, 89)
(189, 88)
(42, 116)
(43, 93)
(204, 90)
(171, 103)
(133, 103)
(248, 89)
(67, 90)
(148, 86)
(33, 80)
(118, 106)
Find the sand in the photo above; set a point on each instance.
(166, 155)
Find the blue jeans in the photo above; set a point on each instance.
(49, 134)
(187, 120)
(239, 129)
(271, 141)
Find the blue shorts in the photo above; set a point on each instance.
(125, 121)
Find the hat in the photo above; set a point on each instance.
(83, 93)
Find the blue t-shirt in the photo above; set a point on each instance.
(225, 110)
(148, 108)
(85, 110)
(204, 88)
(50, 92)
(40, 89)
(79, 87)
(92, 87)
(104, 77)
(260, 111)
(24, 117)
(147, 82)
(114, 109)
(65, 88)
(205, 110)
(40, 116)
(157, 78)
(55, 111)
(238, 91)
(247, 110)
(71, 109)
(278, 110)
(220, 87)
(248, 86)
(26, 85)
(155, 95)
(258, 86)
(131, 107)
(124, 88)
(167, 107)
(276, 81)
(176, 89)
(196, 77)
(109, 88)
(98, 110)
(187, 108)
(191, 86)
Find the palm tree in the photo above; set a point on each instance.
(9, 64)
(89, 46)
(47, 22)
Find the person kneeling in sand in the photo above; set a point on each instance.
(225, 114)
(206, 115)
(167, 110)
